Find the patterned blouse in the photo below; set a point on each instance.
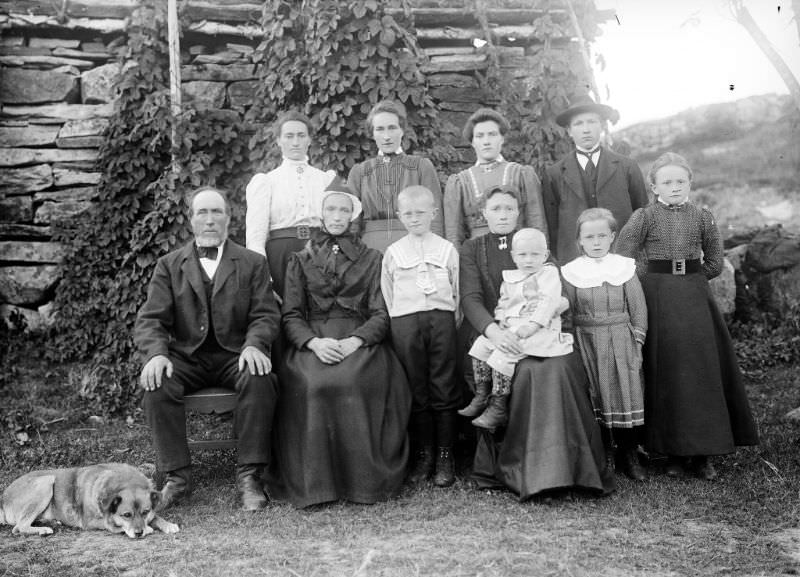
(379, 180)
(464, 191)
(664, 232)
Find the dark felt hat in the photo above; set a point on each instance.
(586, 104)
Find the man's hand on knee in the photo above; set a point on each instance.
(257, 362)
(153, 372)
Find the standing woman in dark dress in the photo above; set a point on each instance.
(344, 400)
(552, 439)
(379, 180)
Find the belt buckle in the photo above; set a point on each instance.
(303, 232)
(679, 266)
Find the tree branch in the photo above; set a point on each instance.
(743, 17)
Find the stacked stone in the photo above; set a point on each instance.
(56, 94)
(58, 61)
(459, 51)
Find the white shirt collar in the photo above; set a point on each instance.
(398, 151)
(498, 159)
(210, 266)
(672, 206)
(290, 162)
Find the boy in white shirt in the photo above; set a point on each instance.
(419, 282)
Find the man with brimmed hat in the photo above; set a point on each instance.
(590, 176)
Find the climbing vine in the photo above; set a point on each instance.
(554, 75)
(329, 59)
(141, 214)
(333, 61)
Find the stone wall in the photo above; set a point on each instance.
(58, 63)
(56, 94)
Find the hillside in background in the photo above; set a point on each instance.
(745, 156)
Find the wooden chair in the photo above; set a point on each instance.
(212, 400)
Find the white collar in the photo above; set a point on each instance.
(514, 275)
(398, 151)
(498, 160)
(220, 247)
(435, 250)
(595, 150)
(672, 206)
(290, 162)
(586, 272)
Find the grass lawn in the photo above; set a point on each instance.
(745, 523)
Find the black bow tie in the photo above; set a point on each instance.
(209, 252)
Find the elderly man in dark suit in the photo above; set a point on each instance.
(590, 176)
(209, 320)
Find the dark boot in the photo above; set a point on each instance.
(610, 447)
(631, 465)
(495, 415)
(674, 466)
(423, 465)
(445, 468)
(479, 401)
(176, 488)
(251, 491)
(703, 468)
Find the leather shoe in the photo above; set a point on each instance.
(704, 469)
(251, 491)
(632, 467)
(445, 468)
(423, 467)
(176, 488)
(674, 467)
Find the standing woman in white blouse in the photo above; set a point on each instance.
(283, 205)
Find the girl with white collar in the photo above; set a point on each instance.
(609, 316)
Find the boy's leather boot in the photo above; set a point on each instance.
(445, 468)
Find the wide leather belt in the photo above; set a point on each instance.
(302, 231)
(678, 266)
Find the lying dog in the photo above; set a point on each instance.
(111, 496)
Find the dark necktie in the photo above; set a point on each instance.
(589, 168)
(209, 252)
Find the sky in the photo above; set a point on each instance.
(664, 56)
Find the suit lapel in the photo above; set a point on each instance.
(605, 169)
(225, 268)
(572, 175)
(191, 268)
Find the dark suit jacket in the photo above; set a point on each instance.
(175, 315)
(620, 189)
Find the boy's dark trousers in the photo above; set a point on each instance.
(425, 342)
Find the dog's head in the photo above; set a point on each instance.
(130, 509)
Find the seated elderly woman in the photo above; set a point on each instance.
(552, 440)
(344, 399)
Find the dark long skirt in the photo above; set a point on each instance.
(278, 252)
(552, 440)
(695, 400)
(340, 429)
